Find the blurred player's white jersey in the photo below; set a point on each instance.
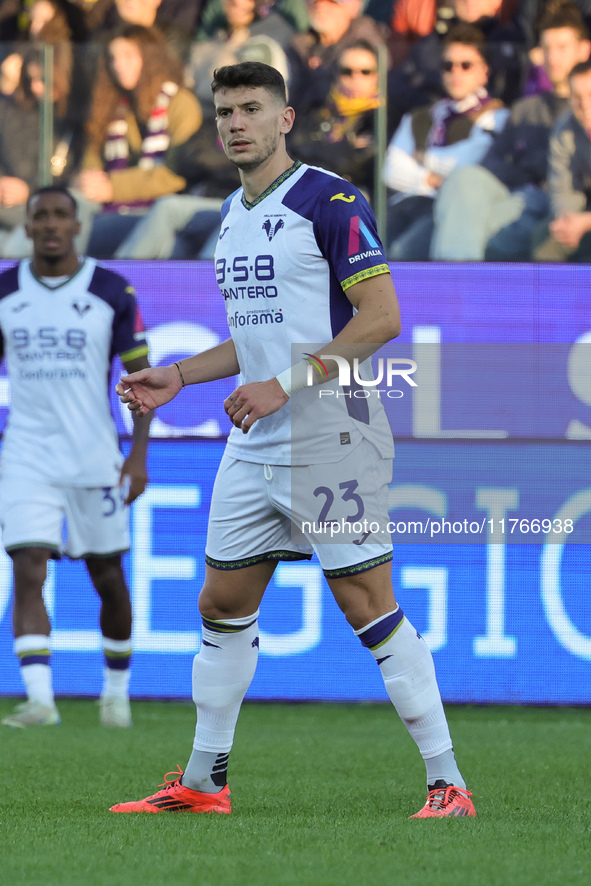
(283, 264)
(59, 343)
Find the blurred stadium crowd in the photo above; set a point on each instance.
(485, 105)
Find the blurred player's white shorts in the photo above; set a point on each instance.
(276, 512)
(32, 514)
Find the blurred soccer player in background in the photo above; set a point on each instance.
(298, 260)
(62, 320)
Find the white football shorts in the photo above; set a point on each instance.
(276, 512)
(33, 514)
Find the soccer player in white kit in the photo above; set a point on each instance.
(298, 261)
(62, 320)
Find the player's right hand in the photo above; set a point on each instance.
(149, 388)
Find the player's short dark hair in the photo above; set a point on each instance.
(580, 68)
(467, 35)
(250, 74)
(53, 189)
(562, 14)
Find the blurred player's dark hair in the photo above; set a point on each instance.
(250, 74)
(53, 189)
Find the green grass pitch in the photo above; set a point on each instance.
(321, 794)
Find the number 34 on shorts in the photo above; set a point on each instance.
(97, 521)
(34, 513)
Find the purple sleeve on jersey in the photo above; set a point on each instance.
(129, 338)
(346, 232)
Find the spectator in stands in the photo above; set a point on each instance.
(182, 226)
(279, 19)
(56, 21)
(176, 19)
(418, 18)
(412, 19)
(10, 12)
(416, 82)
(59, 23)
(235, 42)
(529, 13)
(431, 142)
(140, 117)
(42, 21)
(10, 73)
(313, 56)
(568, 237)
(60, 20)
(20, 136)
(489, 211)
(339, 135)
(186, 225)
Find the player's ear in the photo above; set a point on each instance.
(287, 120)
(27, 231)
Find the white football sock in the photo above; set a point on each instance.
(33, 651)
(222, 672)
(408, 671)
(443, 767)
(116, 673)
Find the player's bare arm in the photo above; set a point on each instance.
(145, 390)
(376, 322)
(134, 466)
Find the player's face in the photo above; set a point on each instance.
(52, 226)
(251, 122)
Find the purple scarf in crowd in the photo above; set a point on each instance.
(154, 145)
(444, 111)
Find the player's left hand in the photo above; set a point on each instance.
(133, 472)
(253, 401)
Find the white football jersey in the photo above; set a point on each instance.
(59, 343)
(283, 264)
